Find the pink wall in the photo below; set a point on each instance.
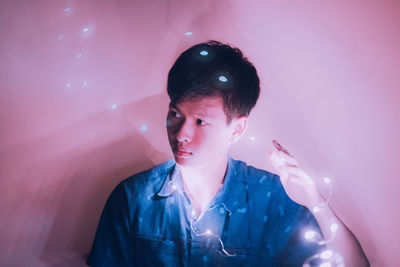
(83, 103)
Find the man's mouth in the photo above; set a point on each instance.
(183, 153)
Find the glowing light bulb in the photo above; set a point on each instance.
(334, 227)
(188, 33)
(327, 180)
(326, 254)
(203, 53)
(223, 78)
(309, 235)
(114, 106)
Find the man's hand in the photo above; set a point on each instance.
(301, 189)
(297, 183)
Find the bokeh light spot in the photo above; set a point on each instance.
(326, 254)
(223, 78)
(309, 235)
(87, 30)
(334, 227)
(143, 128)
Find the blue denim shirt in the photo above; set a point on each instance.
(148, 221)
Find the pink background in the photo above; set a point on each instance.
(83, 105)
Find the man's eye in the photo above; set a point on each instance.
(201, 122)
(175, 114)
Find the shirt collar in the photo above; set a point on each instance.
(172, 182)
(231, 195)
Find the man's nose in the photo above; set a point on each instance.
(185, 132)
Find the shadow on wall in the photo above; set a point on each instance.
(68, 175)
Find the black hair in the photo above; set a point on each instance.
(214, 69)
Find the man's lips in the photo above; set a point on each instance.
(182, 152)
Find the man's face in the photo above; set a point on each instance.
(197, 131)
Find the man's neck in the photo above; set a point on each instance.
(204, 182)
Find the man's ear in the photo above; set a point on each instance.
(239, 127)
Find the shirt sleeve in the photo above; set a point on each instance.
(298, 249)
(113, 243)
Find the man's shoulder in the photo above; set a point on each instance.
(256, 177)
(266, 187)
(149, 179)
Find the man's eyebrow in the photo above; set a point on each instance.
(199, 113)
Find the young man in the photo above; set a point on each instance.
(204, 208)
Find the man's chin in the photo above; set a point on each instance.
(184, 160)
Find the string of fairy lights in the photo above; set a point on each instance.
(328, 257)
(208, 232)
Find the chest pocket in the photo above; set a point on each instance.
(159, 252)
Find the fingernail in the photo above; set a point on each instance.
(276, 144)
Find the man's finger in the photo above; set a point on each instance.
(287, 159)
(279, 147)
(283, 159)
